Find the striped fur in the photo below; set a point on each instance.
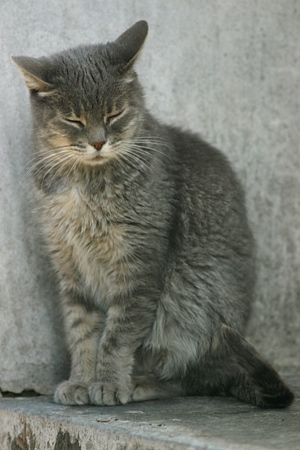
(149, 237)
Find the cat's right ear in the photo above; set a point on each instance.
(33, 71)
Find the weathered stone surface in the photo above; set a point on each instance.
(182, 423)
(229, 70)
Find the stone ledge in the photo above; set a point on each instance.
(182, 423)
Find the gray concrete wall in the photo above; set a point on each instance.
(229, 69)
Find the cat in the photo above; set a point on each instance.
(148, 232)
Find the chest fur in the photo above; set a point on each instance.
(88, 242)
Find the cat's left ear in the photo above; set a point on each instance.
(34, 73)
(128, 46)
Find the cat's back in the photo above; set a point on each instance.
(213, 240)
(202, 164)
(207, 186)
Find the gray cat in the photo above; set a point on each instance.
(148, 233)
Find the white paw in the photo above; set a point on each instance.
(101, 393)
(72, 393)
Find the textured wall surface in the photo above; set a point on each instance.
(227, 69)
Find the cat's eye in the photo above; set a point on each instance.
(75, 122)
(111, 117)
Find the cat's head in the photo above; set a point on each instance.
(87, 102)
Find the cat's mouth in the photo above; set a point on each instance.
(101, 155)
(96, 159)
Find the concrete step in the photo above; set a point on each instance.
(37, 423)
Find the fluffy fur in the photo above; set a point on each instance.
(148, 232)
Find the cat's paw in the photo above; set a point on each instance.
(72, 393)
(101, 393)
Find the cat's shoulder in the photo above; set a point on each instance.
(198, 157)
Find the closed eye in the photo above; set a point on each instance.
(112, 117)
(75, 122)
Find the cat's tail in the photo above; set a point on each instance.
(256, 381)
(235, 368)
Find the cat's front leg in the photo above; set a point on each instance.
(123, 334)
(83, 328)
(114, 385)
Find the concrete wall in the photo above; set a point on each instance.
(229, 69)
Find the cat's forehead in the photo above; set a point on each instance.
(90, 57)
(83, 67)
(86, 76)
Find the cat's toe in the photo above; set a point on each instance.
(108, 394)
(72, 393)
(96, 393)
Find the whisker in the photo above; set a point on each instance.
(129, 161)
(57, 149)
(42, 162)
(74, 166)
(141, 155)
(66, 158)
(47, 155)
(152, 140)
(44, 167)
(140, 152)
(119, 157)
(39, 162)
(148, 143)
(60, 169)
(129, 152)
(143, 149)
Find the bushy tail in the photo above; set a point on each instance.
(256, 381)
(235, 368)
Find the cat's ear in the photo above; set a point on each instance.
(127, 47)
(33, 71)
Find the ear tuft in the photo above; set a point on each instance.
(33, 71)
(128, 46)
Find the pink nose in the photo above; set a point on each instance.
(98, 145)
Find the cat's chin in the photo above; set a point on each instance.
(96, 160)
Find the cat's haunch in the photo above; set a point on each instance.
(148, 233)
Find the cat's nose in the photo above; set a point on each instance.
(98, 145)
